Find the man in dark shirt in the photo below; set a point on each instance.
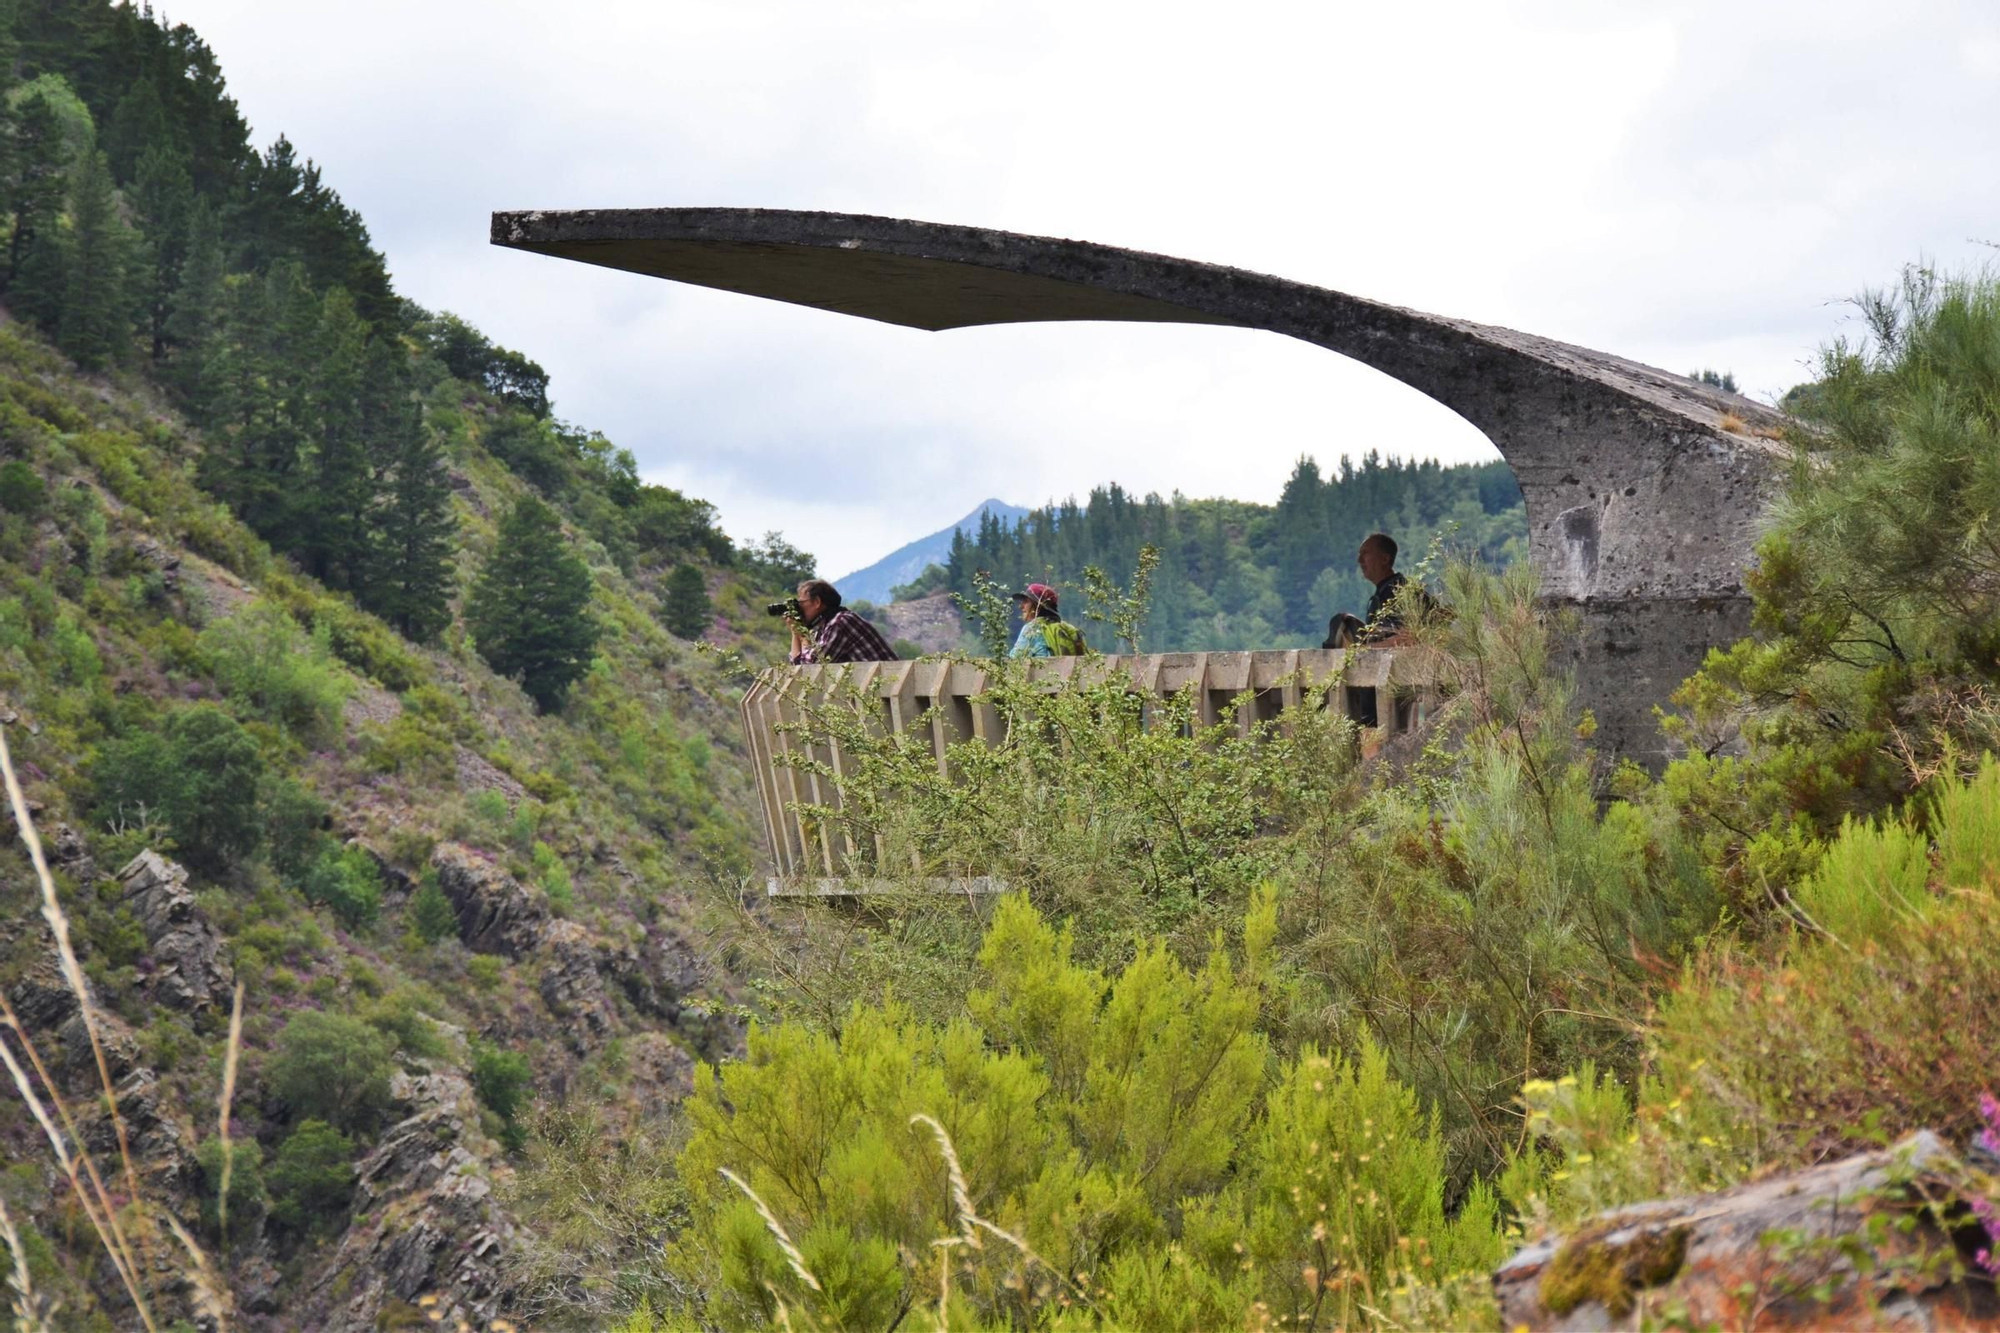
(832, 633)
(1377, 559)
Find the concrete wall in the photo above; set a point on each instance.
(1643, 488)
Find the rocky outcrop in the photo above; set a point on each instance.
(427, 1234)
(659, 975)
(573, 988)
(496, 914)
(45, 1004)
(932, 623)
(1848, 1244)
(189, 971)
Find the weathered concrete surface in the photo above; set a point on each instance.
(1778, 1253)
(1643, 488)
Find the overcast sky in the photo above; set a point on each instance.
(1689, 184)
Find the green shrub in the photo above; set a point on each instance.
(484, 970)
(294, 820)
(1126, 1131)
(312, 1179)
(1868, 879)
(22, 490)
(334, 1068)
(403, 1014)
(261, 658)
(346, 881)
(502, 1078)
(553, 876)
(431, 914)
(247, 1198)
(199, 780)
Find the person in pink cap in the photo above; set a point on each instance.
(1044, 633)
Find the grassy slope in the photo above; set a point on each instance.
(636, 788)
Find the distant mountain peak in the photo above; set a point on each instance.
(875, 582)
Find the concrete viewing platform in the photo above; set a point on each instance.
(1643, 488)
(943, 703)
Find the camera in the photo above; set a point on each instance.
(789, 607)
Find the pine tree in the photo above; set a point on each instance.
(686, 609)
(95, 324)
(164, 198)
(37, 181)
(409, 584)
(530, 609)
(194, 325)
(335, 509)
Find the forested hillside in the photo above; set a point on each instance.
(1239, 575)
(342, 676)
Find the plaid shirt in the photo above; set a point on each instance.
(844, 637)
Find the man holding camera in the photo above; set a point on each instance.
(823, 631)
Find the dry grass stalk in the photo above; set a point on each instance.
(27, 1319)
(109, 1231)
(96, 1211)
(222, 1109)
(777, 1230)
(960, 1198)
(1730, 422)
(104, 1201)
(211, 1298)
(72, 970)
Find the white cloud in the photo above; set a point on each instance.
(1691, 183)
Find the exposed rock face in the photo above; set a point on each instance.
(426, 1224)
(573, 988)
(932, 623)
(44, 1003)
(658, 976)
(190, 971)
(1773, 1254)
(495, 913)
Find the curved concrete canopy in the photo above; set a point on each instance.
(1643, 488)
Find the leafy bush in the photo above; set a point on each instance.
(502, 1078)
(247, 1198)
(333, 1068)
(346, 881)
(22, 490)
(262, 658)
(431, 914)
(199, 780)
(1122, 1146)
(312, 1179)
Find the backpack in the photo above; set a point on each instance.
(1063, 639)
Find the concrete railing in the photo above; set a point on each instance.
(942, 701)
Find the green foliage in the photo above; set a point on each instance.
(529, 611)
(345, 881)
(1125, 1147)
(685, 608)
(311, 1179)
(333, 1068)
(502, 1078)
(22, 490)
(262, 658)
(198, 779)
(247, 1198)
(431, 914)
(1876, 597)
